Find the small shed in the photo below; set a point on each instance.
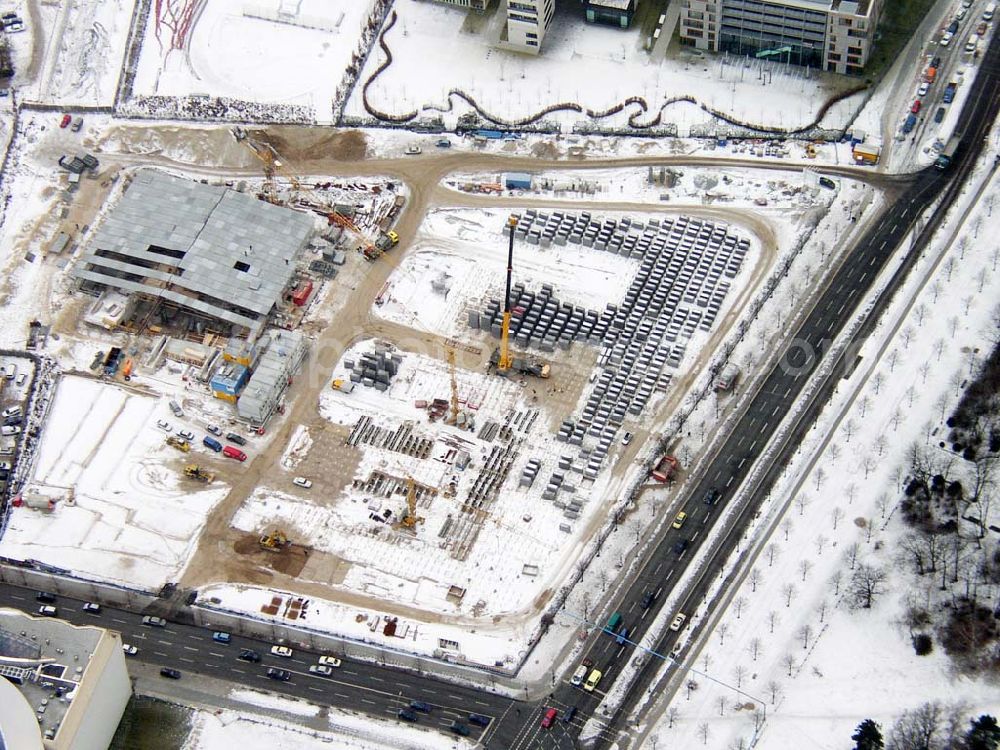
(517, 181)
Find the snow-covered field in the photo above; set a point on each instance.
(433, 53)
(790, 638)
(126, 515)
(255, 51)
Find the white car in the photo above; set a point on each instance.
(578, 675)
(12, 411)
(329, 661)
(924, 88)
(626, 438)
(129, 650)
(164, 425)
(321, 670)
(214, 429)
(187, 435)
(302, 482)
(413, 150)
(281, 651)
(678, 622)
(10, 430)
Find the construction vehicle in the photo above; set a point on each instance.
(179, 443)
(502, 360)
(453, 417)
(193, 471)
(411, 518)
(387, 241)
(274, 541)
(344, 386)
(665, 468)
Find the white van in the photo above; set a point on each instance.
(989, 11)
(972, 45)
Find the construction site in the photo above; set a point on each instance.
(371, 391)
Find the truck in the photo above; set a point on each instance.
(930, 74)
(112, 360)
(665, 468)
(534, 367)
(948, 152)
(179, 443)
(387, 241)
(949, 92)
(344, 386)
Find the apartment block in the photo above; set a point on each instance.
(833, 35)
(527, 22)
(477, 5)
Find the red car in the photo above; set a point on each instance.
(231, 452)
(916, 107)
(549, 719)
(66, 120)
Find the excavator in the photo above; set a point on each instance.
(274, 541)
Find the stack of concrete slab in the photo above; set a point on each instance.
(377, 368)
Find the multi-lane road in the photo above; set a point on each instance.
(770, 404)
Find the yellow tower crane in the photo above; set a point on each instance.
(505, 360)
(454, 386)
(411, 519)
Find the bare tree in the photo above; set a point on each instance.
(788, 591)
(868, 463)
(820, 477)
(802, 502)
(703, 732)
(754, 646)
(738, 604)
(906, 336)
(836, 515)
(896, 418)
(820, 543)
(739, 673)
(921, 313)
(836, 579)
(805, 633)
(774, 689)
(924, 370)
(878, 380)
(771, 551)
(892, 359)
(882, 503)
(755, 578)
(722, 629)
(773, 618)
(867, 584)
(721, 702)
(821, 609)
(834, 451)
(863, 403)
(706, 659)
(787, 526)
(602, 576)
(851, 554)
(804, 567)
(673, 713)
(848, 428)
(852, 492)
(789, 663)
(738, 743)
(918, 729)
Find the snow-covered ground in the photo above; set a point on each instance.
(276, 729)
(124, 515)
(252, 51)
(789, 638)
(433, 53)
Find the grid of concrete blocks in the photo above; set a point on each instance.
(685, 270)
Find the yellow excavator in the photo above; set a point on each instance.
(274, 541)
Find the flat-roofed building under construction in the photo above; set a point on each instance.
(205, 249)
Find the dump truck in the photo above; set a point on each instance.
(274, 541)
(179, 443)
(665, 468)
(193, 471)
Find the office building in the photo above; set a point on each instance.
(527, 22)
(833, 35)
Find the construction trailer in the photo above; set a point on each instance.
(284, 352)
(865, 153)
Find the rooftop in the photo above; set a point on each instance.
(203, 247)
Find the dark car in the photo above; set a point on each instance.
(827, 183)
(711, 496)
(13, 421)
(232, 437)
(570, 713)
(173, 674)
(459, 728)
(680, 546)
(936, 62)
(279, 674)
(953, 27)
(420, 706)
(479, 720)
(45, 597)
(248, 654)
(939, 115)
(406, 715)
(648, 599)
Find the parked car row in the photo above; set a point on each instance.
(208, 441)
